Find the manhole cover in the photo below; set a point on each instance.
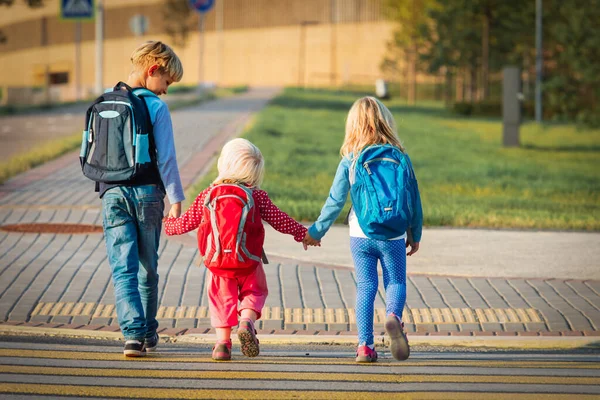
(52, 228)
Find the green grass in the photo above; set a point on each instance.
(23, 162)
(466, 177)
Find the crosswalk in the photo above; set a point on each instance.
(67, 371)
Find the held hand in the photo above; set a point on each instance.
(175, 210)
(414, 247)
(310, 241)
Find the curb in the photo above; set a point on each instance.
(484, 342)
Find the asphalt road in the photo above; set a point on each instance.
(33, 367)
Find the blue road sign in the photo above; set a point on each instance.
(76, 9)
(202, 5)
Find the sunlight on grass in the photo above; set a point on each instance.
(466, 177)
(21, 163)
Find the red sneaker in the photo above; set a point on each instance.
(247, 336)
(365, 354)
(398, 342)
(222, 351)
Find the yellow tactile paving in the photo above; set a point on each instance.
(311, 315)
(67, 309)
(533, 314)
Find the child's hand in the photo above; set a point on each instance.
(310, 241)
(175, 210)
(414, 247)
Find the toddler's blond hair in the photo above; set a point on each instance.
(369, 122)
(240, 162)
(155, 52)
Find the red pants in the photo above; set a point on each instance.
(224, 293)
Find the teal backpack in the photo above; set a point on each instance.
(381, 177)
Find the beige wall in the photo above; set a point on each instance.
(343, 52)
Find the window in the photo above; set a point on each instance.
(56, 78)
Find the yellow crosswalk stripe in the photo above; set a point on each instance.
(298, 376)
(205, 358)
(163, 393)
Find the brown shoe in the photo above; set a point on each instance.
(247, 336)
(398, 342)
(222, 351)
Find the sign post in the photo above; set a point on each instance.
(202, 6)
(77, 10)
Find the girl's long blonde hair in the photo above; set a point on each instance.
(240, 162)
(369, 122)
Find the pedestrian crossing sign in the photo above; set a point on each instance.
(77, 9)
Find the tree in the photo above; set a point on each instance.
(572, 48)
(410, 17)
(178, 20)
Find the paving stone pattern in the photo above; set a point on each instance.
(62, 280)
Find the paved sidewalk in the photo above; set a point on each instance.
(462, 283)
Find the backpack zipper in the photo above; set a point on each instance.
(132, 116)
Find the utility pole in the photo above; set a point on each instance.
(220, 44)
(201, 49)
(538, 61)
(78, 60)
(99, 47)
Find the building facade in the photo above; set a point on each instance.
(242, 42)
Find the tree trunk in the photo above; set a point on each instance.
(412, 76)
(448, 87)
(473, 82)
(526, 74)
(485, 58)
(460, 86)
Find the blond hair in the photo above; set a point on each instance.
(240, 162)
(154, 52)
(369, 122)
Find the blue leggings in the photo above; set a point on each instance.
(392, 255)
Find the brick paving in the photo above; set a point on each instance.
(63, 280)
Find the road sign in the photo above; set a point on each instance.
(138, 24)
(77, 9)
(202, 6)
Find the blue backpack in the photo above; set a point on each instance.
(380, 178)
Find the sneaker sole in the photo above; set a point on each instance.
(398, 344)
(248, 343)
(151, 349)
(134, 353)
(365, 359)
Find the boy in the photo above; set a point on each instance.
(132, 213)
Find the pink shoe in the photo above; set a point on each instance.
(247, 336)
(222, 350)
(398, 342)
(365, 354)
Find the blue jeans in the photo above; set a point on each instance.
(392, 255)
(132, 219)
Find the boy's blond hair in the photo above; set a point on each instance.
(154, 52)
(369, 122)
(240, 162)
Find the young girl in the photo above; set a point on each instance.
(241, 163)
(371, 123)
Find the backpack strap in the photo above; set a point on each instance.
(142, 93)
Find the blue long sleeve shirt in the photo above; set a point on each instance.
(338, 194)
(165, 148)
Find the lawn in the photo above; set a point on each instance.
(466, 177)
